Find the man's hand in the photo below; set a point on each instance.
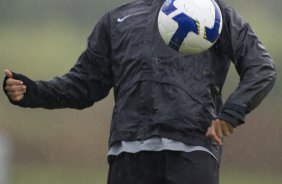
(218, 129)
(15, 88)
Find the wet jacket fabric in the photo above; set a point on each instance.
(159, 92)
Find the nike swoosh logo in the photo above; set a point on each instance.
(123, 19)
(130, 15)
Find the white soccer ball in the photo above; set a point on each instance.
(190, 26)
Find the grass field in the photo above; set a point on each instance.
(57, 175)
(67, 175)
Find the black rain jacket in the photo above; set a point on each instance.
(159, 92)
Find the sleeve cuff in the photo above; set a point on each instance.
(233, 114)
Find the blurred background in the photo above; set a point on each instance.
(43, 39)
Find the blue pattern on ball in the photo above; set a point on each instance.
(213, 33)
(185, 25)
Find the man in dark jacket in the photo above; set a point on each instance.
(168, 120)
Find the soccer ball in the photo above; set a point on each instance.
(190, 26)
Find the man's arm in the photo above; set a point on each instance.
(255, 68)
(87, 82)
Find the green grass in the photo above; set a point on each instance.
(44, 50)
(73, 175)
(57, 175)
(239, 176)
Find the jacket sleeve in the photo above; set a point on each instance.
(87, 82)
(253, 64)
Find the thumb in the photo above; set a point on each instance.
(8, 73)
